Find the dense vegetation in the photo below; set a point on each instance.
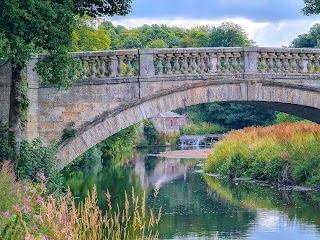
(27, 212)
(285, 153)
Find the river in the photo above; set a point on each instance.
(197, 206)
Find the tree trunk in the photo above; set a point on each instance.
(15, 127)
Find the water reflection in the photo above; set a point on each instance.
(195, 206)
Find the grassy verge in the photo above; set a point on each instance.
(285, 153)
(27, 212)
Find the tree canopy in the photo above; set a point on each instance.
(311, 7)
(309, 40)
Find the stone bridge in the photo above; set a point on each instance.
(120, 88)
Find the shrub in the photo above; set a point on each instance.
(282, 153)
(203, 128)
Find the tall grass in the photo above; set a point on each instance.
(33, 215)
(287, 153)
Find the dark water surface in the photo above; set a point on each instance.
(196, 206)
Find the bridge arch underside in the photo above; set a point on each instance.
(299, 100)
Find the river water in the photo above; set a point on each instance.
(197, 206)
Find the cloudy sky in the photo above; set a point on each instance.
(268, 22)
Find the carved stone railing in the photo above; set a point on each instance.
(239, 61)
(106, 64)
(288, 60)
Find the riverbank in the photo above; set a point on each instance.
(194, 153)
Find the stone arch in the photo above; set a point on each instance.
(285, 97)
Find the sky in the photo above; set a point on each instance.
(270, 23)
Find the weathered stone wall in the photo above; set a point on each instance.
(82, 104)
(5, 81)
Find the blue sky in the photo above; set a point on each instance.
(268, 22)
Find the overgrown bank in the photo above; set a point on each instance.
(287, 153)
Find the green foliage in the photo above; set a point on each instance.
(60, 69)
(37, 158)
(119, 142)
(228, 35)
(309, 40)
(311, 7)
(6, 152)
(284, 153)
(87, 38)
(151, 135)
(203, 128)
(230, 115)
(158, 43)
(69, 132)
(284, 117)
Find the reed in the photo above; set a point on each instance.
(35, 215)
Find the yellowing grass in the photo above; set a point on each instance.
(246, 152)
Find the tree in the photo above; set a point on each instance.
(228, 35)
(311, 7)
(230, 115)
(86, 38)
(309, 40)
(28, 27)
(158, 43)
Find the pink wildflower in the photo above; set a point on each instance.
(39, 200)
(26, 208)
(39, 218)
(16, 207)
(43, 187)
(34, 228)
(41, 176)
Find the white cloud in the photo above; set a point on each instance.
(269, 34)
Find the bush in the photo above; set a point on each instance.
(202, 129)
(38, 158)
(285, 153)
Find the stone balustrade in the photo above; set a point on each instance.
(106, 64)
(288, 60)
(115, 64)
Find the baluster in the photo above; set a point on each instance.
(98, 67)
(301, 62)
(263, 63)
(234, 63)
(201, 63)
(271, 57)
(92, 67)
(159, 64)
(185, 63)
(168, 64)
(293, 62)
(226, 63)
(119, 67)
(129, 66)
(112, 66)
(193, 64)
(210, 64)
(84, 67)
(218, 65)
(309, 65)
(286, 62)
(101, 64)
(278, 63)
(176, 65)
(137, 65)
(316, 63)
